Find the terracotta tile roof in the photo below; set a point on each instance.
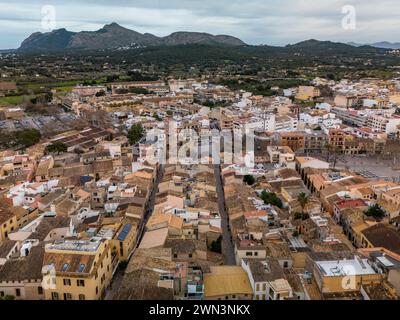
(342, 204)
(28, 268)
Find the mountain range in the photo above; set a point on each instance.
(115, 36)
(382, 45)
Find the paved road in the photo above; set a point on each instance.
(227, 245)
(119, 274)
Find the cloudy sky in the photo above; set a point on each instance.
(275, 22)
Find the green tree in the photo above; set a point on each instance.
(156, 116)
(376, 211)
(139, 90)
(48, 96)
(27, 137)
(249, 179)
(135, 133)
(57, 147)
(271, 198)
(303, 200)
(123, 265)
(101, 93)
(302, 216)
(216, 245)
(112, 78)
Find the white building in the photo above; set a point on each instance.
(388, 125)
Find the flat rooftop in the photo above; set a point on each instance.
(76, 245)
(338, 268)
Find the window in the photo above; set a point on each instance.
(67, 296)
(256, 254)
(1, 293)
(67, 282)
(65, 267)
(82, 297)
(190, 255)
(175, 255)
(97, 290)
(80, 283)
(271, 292)
(40, 290)
(54, 296)
(285, 264)
(18, 292)
(81, 268)
(249, 254)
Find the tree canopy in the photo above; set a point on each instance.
(271, 198)
(376, 211)
(216, 245)
(135, 133)
(303, 199)
(249, 179)
(57, 147)
(139, 90)
(23, 138)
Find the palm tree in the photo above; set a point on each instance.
(332, 150)
(328, 148)
(336, 151)
(303, 200)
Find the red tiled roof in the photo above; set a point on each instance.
(255, 214)
(343, 204)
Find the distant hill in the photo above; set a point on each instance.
(182, 46)
(5, 51)
(386, 45)
(316, 47)
(115, 36)
(382, 45)
(280, 57)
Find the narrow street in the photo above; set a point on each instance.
(227, 245)
(150, 204)
(119, 274)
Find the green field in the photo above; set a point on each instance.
(11, 100)
(61, 87)
(64, 89)
(52, 85)
(6, 101)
